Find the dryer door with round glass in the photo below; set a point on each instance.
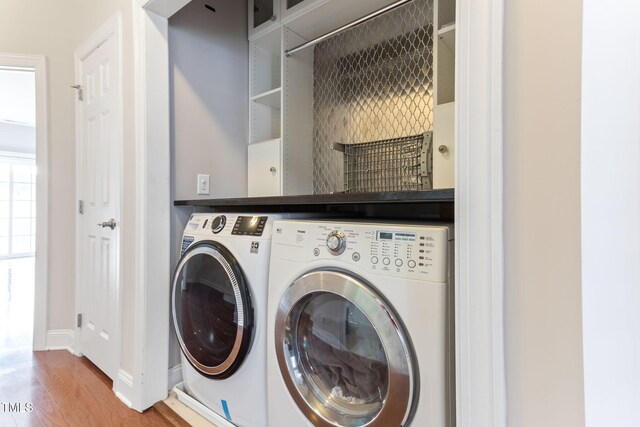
(212, 310)
(343, 353)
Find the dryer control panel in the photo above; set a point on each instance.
(398, 250)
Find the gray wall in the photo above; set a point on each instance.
(17, 138)
(209, 63)
(543, 316)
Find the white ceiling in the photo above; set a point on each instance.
(17, 97)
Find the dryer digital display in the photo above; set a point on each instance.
(249, 226)
(397, 236)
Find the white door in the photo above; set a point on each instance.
(264, 173)
(100, 167)
(444, 146)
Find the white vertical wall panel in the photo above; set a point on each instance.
(611, 212)
(297, 118)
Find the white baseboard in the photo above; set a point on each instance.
(123, 387)
(175, 376)
(60, 339)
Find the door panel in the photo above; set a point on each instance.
(265, 176)
(100, 171)
(212, 310)
(343, 353)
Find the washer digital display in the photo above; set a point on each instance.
(249, 226)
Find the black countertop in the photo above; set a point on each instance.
(432, 204)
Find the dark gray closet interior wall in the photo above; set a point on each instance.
(208, 66)
(209, 63)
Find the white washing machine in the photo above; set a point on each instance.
(219, 299)
(358, 329)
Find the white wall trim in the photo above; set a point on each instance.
(60, 339)
(111, 28)
(38, 63)
(175, 376)
(481, 386)
(153, 202)
(123, 387)
(610, 213)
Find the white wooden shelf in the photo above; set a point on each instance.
(445, 28)
(271, 98)
(448, 36)
(313, 18)
(270, 41)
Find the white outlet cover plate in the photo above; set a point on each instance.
(203, 184)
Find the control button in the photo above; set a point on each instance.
(386, 261)
(398, 262)
(411, 264)
(336, 242)
(356, 256)
(218, 223)
(316, 252)
(374, 260)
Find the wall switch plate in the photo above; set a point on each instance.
(203, 184)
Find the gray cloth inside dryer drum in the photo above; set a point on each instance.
(343, 349)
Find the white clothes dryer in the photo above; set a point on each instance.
(358, 325)
(219, 299)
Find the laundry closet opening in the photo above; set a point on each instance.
(17, 209)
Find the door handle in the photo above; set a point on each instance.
(111, 224)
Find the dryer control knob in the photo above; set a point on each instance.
(336, 242)
(218, 223)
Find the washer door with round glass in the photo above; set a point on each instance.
(212, 311)
(343, 353)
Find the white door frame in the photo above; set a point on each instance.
(38, 64)
(111, 28)
(481, 397)
(480, 365)
(152, 204)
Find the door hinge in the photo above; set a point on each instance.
(79, 89)
(79, 320)
(81, 206)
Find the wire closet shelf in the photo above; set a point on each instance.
(398, 164)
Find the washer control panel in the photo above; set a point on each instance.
(249, 226)
(224, 225)
(411, 251)
(336, 242)
(218, 223)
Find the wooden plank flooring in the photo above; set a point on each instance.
(66, 391)
(63, 390)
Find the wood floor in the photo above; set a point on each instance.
(66, 391)
(53, 388)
